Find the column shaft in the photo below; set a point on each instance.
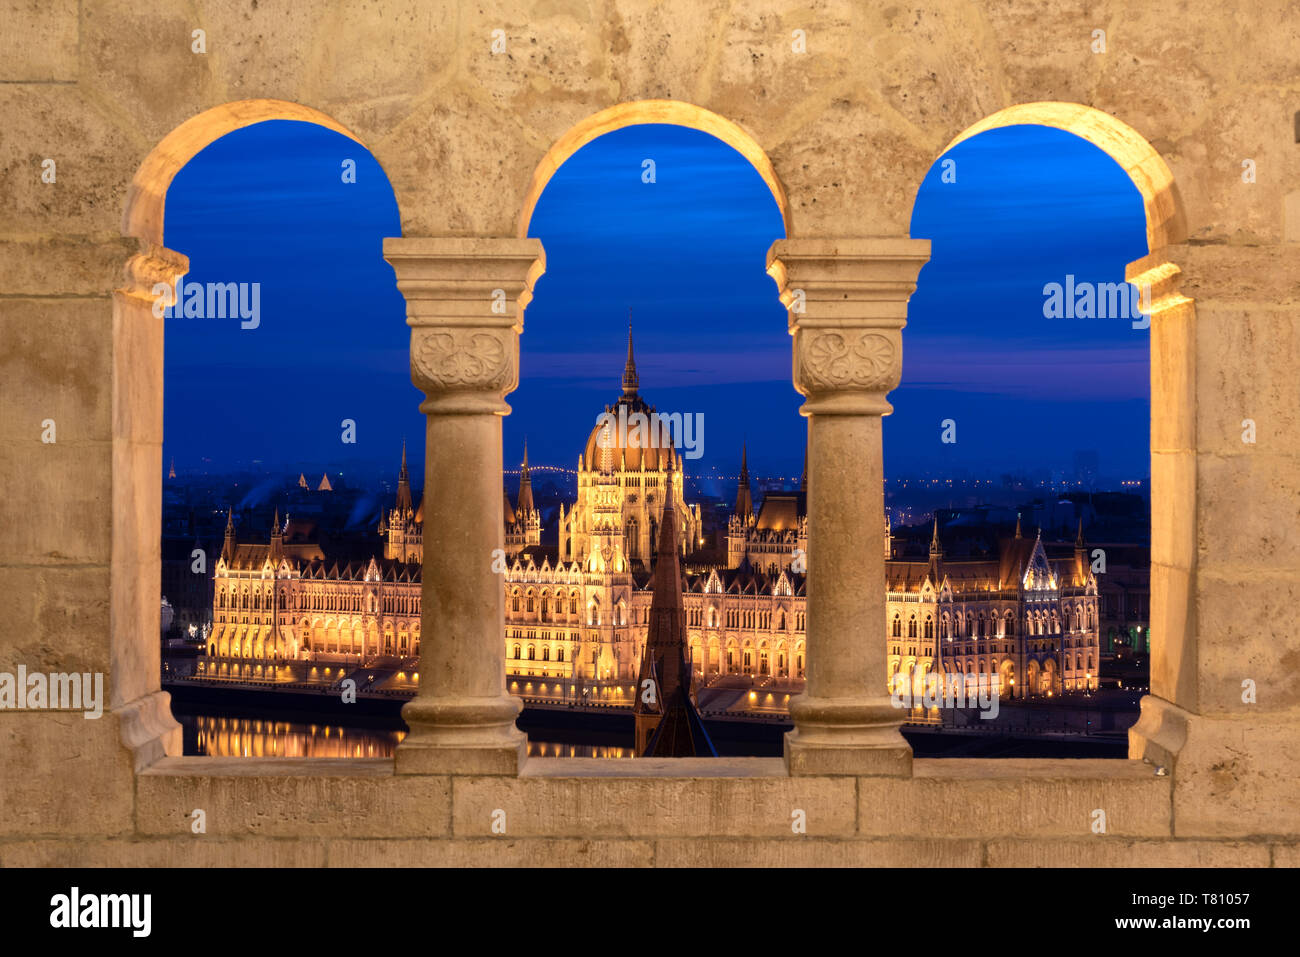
(465, 302)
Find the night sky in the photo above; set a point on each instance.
(686, 254)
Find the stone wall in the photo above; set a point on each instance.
(844, 133)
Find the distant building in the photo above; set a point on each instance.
(578, 614)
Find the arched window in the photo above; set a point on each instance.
(532, 653)
(929, 627)
(911, 627)
(546, 653)
(559, 653)
(898, 626)
(514, 601)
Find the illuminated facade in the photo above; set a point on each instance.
(283, 600)
(577, 614)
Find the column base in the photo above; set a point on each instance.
(462, 736)
(148, 729)
(847, 736)
(1159, 732)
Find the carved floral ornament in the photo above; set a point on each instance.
(848, 359)
(463, 359)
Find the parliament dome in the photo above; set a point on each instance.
(627, 436)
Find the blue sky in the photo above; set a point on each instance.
(686, 254)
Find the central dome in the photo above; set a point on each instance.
(628, 431)
(630, 434)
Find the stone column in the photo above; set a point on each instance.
(465, 304)
(142, 709)
(1223, 714)
(848, 304)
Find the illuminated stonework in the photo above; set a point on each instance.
(576, 615)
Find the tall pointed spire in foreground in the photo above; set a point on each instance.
(668, 724)
(630, 380)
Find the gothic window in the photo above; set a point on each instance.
(911, 627)
(559, 654)
(514, 601)
(530, 601)
(546, 653)
(532, 653)
(929, 627)
(1011, 627)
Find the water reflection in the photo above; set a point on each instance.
(222, 736)
(226, 736)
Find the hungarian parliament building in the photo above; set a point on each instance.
(577, 612)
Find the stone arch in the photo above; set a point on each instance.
(137, 344)
(1166, 220)
(1032, 671)
(1171, 389)
(146, 197)
(1006, 675)
(638, 113)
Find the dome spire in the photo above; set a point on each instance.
(630, 381)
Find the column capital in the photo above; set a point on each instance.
(465, 301)
(152, 266)
(847, 303)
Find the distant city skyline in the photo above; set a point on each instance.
(686, 254)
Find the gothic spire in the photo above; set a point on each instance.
(277, 538)
(669, 725)
(630, 380)
(404, 505)
(744, 495)
(228, 545)
(525, 487)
